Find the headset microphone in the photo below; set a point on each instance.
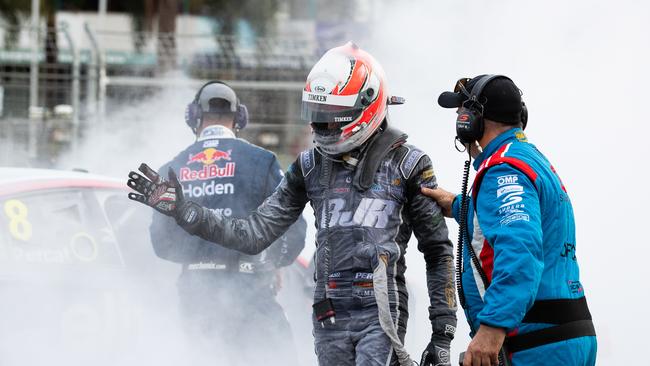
(470, 124)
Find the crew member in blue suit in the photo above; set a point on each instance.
(228, 299)
(520, 284)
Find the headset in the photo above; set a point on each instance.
(470, 127)
(469, 123)
(194, 112)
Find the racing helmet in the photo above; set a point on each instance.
(345, 99)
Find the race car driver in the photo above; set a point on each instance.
(363, 182)
(227, 298)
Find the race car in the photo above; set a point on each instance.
(80, 282)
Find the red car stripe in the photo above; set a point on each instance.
(39, 185)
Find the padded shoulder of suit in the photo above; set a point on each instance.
(307, 161)
(254, 148)
(410, 157)
(510, 154)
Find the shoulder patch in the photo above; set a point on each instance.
(307, 162)
(409, 161)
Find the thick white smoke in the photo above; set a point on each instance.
(118, 321)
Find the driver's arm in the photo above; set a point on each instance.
(253, 234)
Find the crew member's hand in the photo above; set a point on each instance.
(436, 353)
(164, 196)
(443, 198)
(484, 348)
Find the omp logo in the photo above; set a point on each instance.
(371, 212)
(510, 189)
(320, 89)
(507, 179)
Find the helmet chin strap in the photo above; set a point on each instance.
(350, 160)
(326, 155)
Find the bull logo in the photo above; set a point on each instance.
(209, 156)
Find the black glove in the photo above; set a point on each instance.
(164, 196)
(437, 352)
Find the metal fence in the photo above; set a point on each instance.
(41, 95)
(45, 109)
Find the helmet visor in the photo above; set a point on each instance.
(325, 108)
(324, 113)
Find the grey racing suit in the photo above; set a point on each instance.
(362, 237)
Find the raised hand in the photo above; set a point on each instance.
(163, 195)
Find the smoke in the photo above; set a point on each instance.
(63, 310)
(581, 66)
(151, 131)
(582, 69)
(108, 314)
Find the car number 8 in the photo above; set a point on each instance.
(19, 227)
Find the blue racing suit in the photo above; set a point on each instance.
(228, 298)
(520, 270)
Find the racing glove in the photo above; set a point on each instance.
(437, 352)
(165, 196)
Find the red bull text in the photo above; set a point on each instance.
(207, 172)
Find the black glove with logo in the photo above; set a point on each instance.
(164, 196)
(437, 352)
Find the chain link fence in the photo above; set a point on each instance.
(82, 78)
(40, 94)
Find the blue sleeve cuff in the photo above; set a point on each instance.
(455, 207)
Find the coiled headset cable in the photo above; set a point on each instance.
(463, 232)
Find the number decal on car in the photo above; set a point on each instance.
(19, 227)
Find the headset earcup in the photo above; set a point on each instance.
(241, 117)
(193, 115)
(469, 125)
(524, 115)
